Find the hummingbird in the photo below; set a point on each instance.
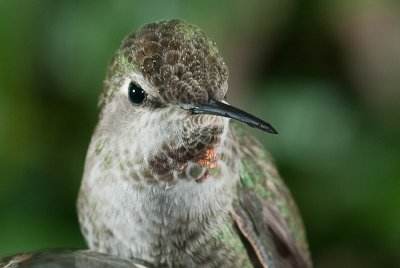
(171, 175)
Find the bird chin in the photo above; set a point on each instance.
(196, 161)
(192, 155)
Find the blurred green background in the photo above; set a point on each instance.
(326, 74)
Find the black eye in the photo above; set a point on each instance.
(136, 94)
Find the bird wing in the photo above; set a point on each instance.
(69, 259)
(265, 213)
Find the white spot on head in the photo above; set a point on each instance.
(141, 81)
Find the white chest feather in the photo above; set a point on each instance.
(130, 218)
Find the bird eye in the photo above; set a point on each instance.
(136, 94)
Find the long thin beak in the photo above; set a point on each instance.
(222, 109)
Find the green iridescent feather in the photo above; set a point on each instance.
(259, 177)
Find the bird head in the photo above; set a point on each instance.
(164, 99)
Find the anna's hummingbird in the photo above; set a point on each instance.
(168, 178)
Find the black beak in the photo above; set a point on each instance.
(219, 108)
